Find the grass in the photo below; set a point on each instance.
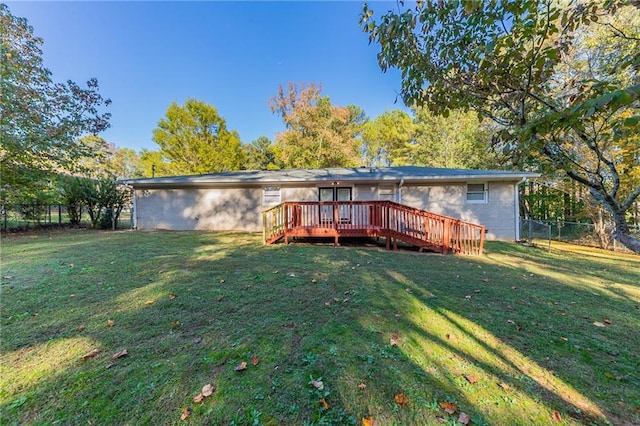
(508, 337)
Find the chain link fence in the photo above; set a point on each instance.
(21, 217)
(543, 232)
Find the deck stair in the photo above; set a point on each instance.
(392, 221)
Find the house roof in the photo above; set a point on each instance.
(338, 174)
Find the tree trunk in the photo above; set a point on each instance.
(623, 234)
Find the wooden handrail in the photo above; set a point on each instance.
(374, 218)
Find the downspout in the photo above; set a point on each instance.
(516, 207)
(400, 190)
(134, 217)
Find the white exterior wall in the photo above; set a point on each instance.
(498, 215)
(215, 209)
(240, 209)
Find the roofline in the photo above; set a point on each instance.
(282, 178)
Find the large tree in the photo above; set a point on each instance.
(194, 138)
(387, 139)
(260, 155)
(457, 141)
(40, 120)
(505, 60)
(318, 134)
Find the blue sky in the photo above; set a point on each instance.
(232, 55)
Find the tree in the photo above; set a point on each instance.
(387, 139)
(40, 121)
(457, 141)
(193, 139)
(260, 155)
(503, 60)
(318, 134)
(103, 198)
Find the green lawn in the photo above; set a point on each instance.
(517, 336)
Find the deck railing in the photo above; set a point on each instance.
(372, 218)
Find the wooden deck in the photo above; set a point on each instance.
(392, 221)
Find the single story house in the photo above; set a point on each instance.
(235, 200)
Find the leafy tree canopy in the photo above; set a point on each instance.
(318, 134)
(194, 138)
(40, 120)
(507, 61)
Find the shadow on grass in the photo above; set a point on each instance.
(308, 313)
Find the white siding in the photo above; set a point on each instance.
(497, 215)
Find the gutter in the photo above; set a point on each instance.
(400, 185)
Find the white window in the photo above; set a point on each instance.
(477, 193)
(271, 195)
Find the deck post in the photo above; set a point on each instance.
(446, 236)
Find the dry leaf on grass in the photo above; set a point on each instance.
(110, 323)
(120, 354)
(369, 421)
(241, 367)
(197, 340)
(598, 324)
(394, 339)
(317, 384)
(172, 296)
(324, 404)
(401, 399)
(90, 354)
(449, 407)
(471, 379)
(186, 412)
(255, 360)
(464, 419)
(504, 386)
(81, 327)
(362, 386)
(556, 417)
(198, 398)
(149, 302)
(207, 390)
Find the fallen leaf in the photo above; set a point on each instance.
(219, 298)
(598, 324)
(606, 321)
(90, 354)
(222, 281)
(149, 302)
(513, 287)
(197, 340)
(81, 327)
(369, 421)
(324, 404)
(609, 376)
(327, 303)
(394, 339)
(518, 327)
(485, 280)
(451, 337)
(207, 390)
(440, 419)
(401, 399)
(556, 417)
(186, 412)
(504, 386)
(172, 296)
(198, 398)
(314, 281)
(175, 323)
(362, 386)
(255, 360)
(408, 290)
(242, 366)
(317, 384)
(109, 366)
(448, 407)
(471, 379)
(110, 322)
(120, 354)
(464, 419)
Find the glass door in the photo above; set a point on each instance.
(334, 194)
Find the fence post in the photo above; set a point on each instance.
(59, 214)
(4, 217)
(530, 229)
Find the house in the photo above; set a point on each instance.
(235, 200)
